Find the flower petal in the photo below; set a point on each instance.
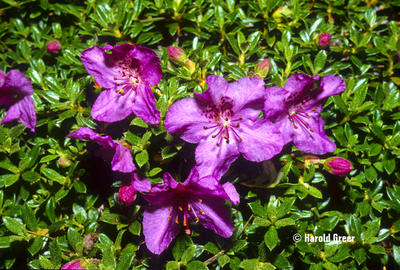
(144, 104)
(313, 142)
(2, 77)
(147, 64)
(18, 83)
(28, 114)
(102, 66)
(217, 215)
(231, 192)
(157, 229)
(140, 183)
(122, 160)
(217, 89)
(247, 96)
(275, 105)
(331, 85)
(186, 119)
(299, 84)
(261, 140)
(215, 160)
(112, 107)
(86, 133)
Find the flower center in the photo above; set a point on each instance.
(187, 203)
(298, 116)
(226, 123)
(128, 79)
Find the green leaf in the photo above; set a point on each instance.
(271, 238)
(73, 238)
(10, 179)
(223, 260)
(232, 40)
(50, 210)
(197, 265)
(258, 210)
(109, 258)
(55, 253)
(53, 175)
(138, 121)
(180, 246)
(211, 247)
(14, 226)
(7, 164)
(284, 222)
(135, 228)
(188, 254)
(173, 265)
(142, 158)
(36, 245)
(168, 152)
(45, 263)
(389, 162)
(79, 186)
(29, 218)
(359, 97)
(319, 61)
(396, 254)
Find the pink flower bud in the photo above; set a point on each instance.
(263, 68)
(338, 166)
(324, 40)
(126, 195)
(53, 46)
(177, 55)
(74, 265)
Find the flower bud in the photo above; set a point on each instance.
(126, 195)
(77, 265)
(190, 65)
(64, 162)
(324, 40)
(338, 166)
(263, 68)
(53, 46)
(177, 55)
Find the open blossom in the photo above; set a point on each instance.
(16, 95)
(173, 204)
(53, 46)
(296, 110)
(122, 158)
(127, 73)
(223, 121)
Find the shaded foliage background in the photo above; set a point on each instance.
(58, 198)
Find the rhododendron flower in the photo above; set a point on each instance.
(122, 158)
(296, 110)
(127, 73)
(53, 46)
(223, 120)
(173, 204)
(16, 94)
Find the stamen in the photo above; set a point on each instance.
(180, 208)
(314, 109)
(240, 139)
(169, 208)
(197, 220)
(296, 127)
(115, 78)
(226, 119)
(302, 107)
(176, 221)
(227, 141)
(218, 144)
(205, 127)
(223, 136)
(240, 118)
(169, 217)
(117, 84)
(311, 130)
(237, 125)
(213, 136)
(184, 222)
(200, 201)
(202, 212)
(189, 207)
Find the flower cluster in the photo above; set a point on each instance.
(224, 121)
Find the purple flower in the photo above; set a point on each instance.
(296, 110)
(324, 40)
(223, 120)
(338, 166)
(173, 204)
(127, 73)
(76, 265)
(126, 195)
(53, 46)
(122, 158)
(16, 94)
